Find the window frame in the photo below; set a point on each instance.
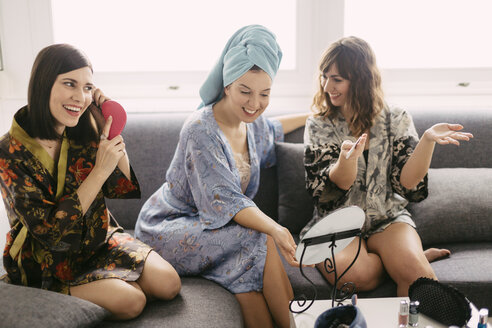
(23, 36)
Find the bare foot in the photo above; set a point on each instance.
(433, 254)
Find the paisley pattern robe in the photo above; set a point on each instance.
(51, 244)
(377, 188)
(189, 220)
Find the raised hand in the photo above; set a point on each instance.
(445, 133)
(110, 151)
(357, 151)
(99, 97)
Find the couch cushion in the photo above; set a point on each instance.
(458, 207)
(295, 205)
(201, 303)
(32, 307)
(468, 269)
(469, 154)
(267, 196)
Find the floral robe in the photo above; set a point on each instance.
(377, 188)
(189, 219)
(51, 245)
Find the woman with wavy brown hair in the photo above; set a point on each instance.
(386, 169)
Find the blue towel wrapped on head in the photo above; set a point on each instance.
(251, 45)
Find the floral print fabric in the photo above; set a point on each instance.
(189, 219)
(51, 244)
(377, 188)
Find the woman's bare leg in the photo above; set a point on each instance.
(159, 279)
(254, 310)
(367, 272)
(401, 252)
(124, 300)
(260, 308)
(277, 289)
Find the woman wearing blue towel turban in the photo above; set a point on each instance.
(203, 220)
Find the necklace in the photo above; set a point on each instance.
(50, 143)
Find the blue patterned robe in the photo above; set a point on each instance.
(189, 219)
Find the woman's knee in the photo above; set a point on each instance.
(159, 278)
(410, 272)
(172, 286)
(364, 279)
(130, 305)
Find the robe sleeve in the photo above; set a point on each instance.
(119, 186)
(319, 159)
(267, 132)
(404, 142)
(216, 190)
(57, 225)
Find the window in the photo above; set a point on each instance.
(152, 50)
(156, 35)
(431, 53)
(423, 33)
(428, 51)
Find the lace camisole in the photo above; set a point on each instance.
(244, 168)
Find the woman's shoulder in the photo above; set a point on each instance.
(400, 119)
(396, 111)
(5, 142)
(200, 127)
(317, 122)
(198, 122)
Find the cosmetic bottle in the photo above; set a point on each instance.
(483, 316)
(413, 318)
(403, 314)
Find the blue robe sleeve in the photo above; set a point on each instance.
(215, 188)
(267, 132)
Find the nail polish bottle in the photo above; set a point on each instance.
(403, 314)
(483, 316)
(413, 319)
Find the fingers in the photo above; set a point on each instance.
(447, 133)
(455, 127)
(291, 259)
(107, 126)
(356, 147)
(462, 135)
(99, 97)
(347, 144)
(453, 141)
(454, 137)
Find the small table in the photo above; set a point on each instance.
(378, 312)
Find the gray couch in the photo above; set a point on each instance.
(456, 215)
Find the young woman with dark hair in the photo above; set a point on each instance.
(56, 168)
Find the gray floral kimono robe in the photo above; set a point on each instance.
(377, 188)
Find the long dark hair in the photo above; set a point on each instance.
(356, 62)
(52, 61)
